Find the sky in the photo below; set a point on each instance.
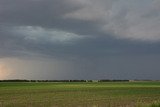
(80, 39)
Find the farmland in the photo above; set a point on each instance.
(78, 94)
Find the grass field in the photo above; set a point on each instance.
(104, 94)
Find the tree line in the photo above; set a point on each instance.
(103, 80)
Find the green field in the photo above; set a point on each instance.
(102, 94)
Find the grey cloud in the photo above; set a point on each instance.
(135, 20)
(123, 19)
(82, 36)
(33, 12)
(28, 40)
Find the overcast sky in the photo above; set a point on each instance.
(79, 39)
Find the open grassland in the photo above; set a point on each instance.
(102, 94)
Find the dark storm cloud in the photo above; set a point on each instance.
(93, 36)
(119, 18)
(91, 26)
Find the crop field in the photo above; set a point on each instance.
(79, 94)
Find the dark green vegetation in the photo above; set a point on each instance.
(79, 94)
(17, 80)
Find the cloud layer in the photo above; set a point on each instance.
(82, 34)
(47, 23)
(137, 20)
